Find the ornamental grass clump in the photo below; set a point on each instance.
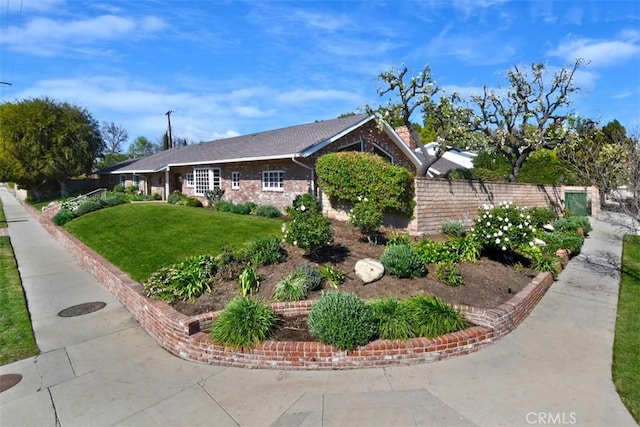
(403, 262)
(430, 316)
(342, 320)
(291, 287)
(243, 323)
(183, 281)
(392, 318)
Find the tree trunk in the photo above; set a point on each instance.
(64, 192)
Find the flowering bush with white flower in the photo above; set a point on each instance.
(368, 217)
(504, 227)
(308, 229)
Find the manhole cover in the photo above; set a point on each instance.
(80, 309)
(9, 380)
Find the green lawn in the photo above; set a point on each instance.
(139, 238)
(626, 348)
(16, 336)
(3, 219)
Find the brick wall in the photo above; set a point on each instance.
(187, 337)
(440, 200)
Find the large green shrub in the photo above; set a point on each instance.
(308, 229)
(402, 261)
(243, 323)
(264, 251)
(432, 252)
(348, 177)
(342, 320)
(367, 217)
(431, 316)
(63, 216)
(89, 205)
(268, 211)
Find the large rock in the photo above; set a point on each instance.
(369, 270)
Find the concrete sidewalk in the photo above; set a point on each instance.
(103, 369)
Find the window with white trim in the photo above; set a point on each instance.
(383, 153)
(205, 179)
(273, 180)
(189, 179)
(235, 180)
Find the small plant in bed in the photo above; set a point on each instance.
(342, 320)
(244, 322)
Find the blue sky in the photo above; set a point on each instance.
(234, 67)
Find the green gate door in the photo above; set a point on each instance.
(576, 202)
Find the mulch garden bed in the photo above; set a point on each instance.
(488, 283)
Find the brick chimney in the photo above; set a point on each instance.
(404, 133)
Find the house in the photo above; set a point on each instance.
(452, 159)
(270, 167)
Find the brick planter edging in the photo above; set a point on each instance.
(187, 337)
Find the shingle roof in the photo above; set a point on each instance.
(294, 141)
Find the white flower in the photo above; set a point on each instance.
(295, 243)
(497, 241)
(531, 243)
(303, 208)
(499, 233)
(506, 239)
(488, 224)
(505, 228)
(283, 228)
(539, 242)
(504, 248)
(366, 200)
(548, 227)
(520, 226)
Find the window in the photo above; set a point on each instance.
(123, 180)
(235, 180)
(382, 153)
(272, 180)
(205, 179)
(189, 179)
(355, 146)
(136, 180)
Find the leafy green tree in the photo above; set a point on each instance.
(601, 156)
(142, 147)
(42, 140)
(110, 160)
(530, 115)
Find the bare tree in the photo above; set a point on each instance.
(113, 136)
(530, 115)
(450, 121)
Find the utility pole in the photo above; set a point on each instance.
(168, 114)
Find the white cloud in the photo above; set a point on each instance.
(47, 37)
(599, 53)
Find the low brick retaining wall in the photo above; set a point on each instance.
(187, 336)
